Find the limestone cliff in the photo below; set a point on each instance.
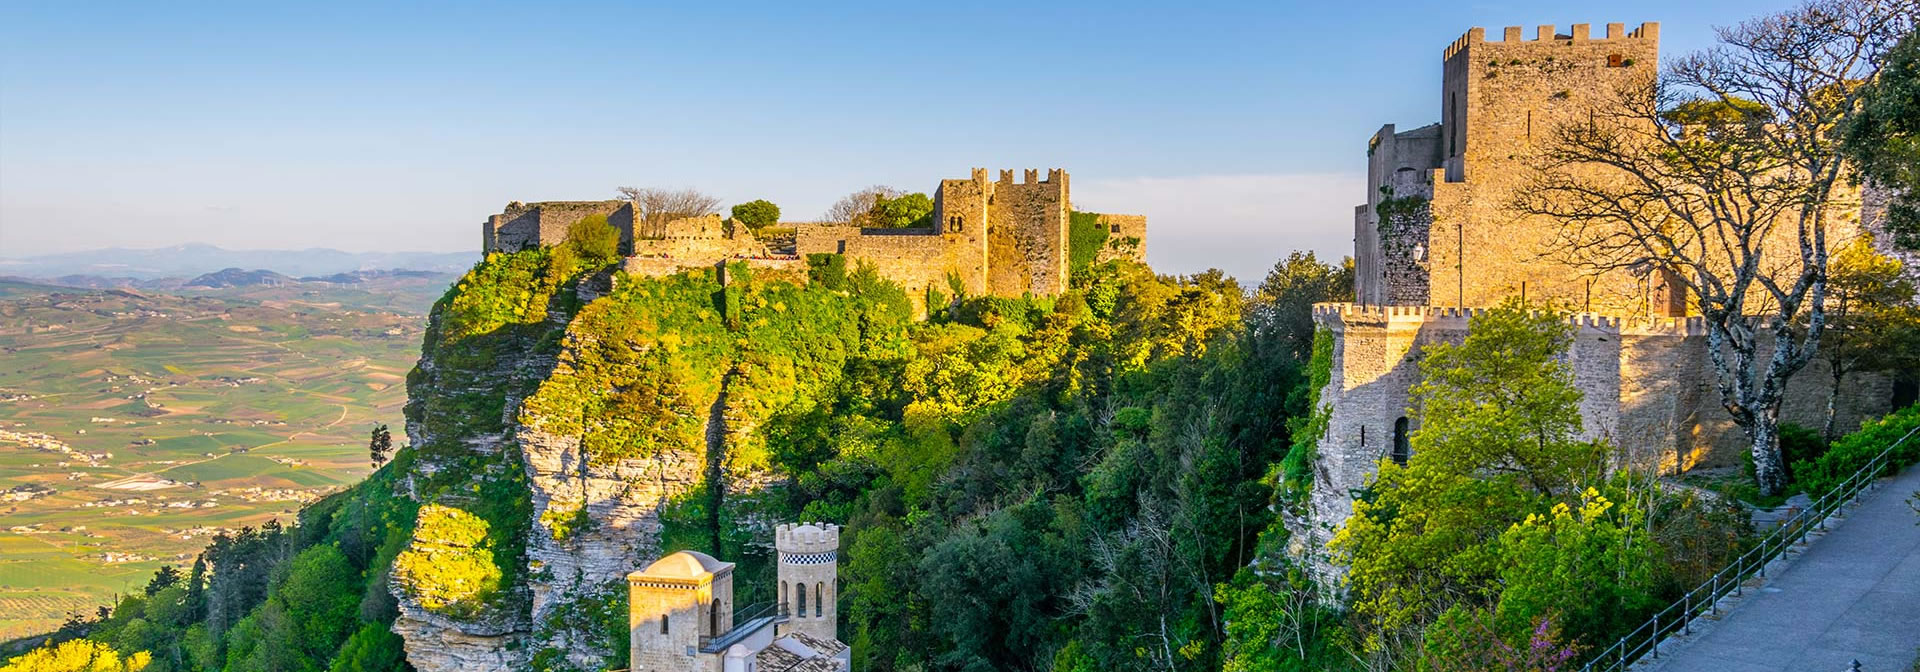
(557, 414)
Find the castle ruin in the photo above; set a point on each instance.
(1436, 243)
(988, 237)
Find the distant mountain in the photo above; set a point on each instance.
(360, 277)
(187, 261)
(235, 277)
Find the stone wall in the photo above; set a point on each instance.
(700, 241)
(1390, 232)
(1648, 387)
(915, 259)
(1126, 238)
(526, 225)
(1002, 238)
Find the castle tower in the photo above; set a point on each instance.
(675, 605)
(1027, 241)
(1437, 228)
(809, 572)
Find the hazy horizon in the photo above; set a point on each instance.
(1239, 130)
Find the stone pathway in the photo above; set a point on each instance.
(1854, 593)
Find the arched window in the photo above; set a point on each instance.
(784, 603)
(713, 620)
(819, 599)
(1402, 449)
(801, 609)
(663, 623)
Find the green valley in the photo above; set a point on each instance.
(136, 425)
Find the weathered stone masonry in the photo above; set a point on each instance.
(1001, 238)
(1436, 242)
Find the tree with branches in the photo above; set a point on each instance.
(857, 208)
(1884, 139)
(653, 208)
(1873, 323)
(1727, 172)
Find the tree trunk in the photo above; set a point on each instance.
(1826, 427)
(1770, 474)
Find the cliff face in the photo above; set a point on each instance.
(555, 419)
(595, 523)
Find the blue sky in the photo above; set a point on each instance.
(1238, 128)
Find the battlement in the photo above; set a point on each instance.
(999, 238)
(1580, 32)
(1339, 316)
(805, 538)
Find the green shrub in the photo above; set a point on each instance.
(593, 241)
(827, 269)
(907, 210)
(1799, 444)
(449, 568)
(1852, 452)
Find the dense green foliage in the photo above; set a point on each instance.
(1504, 531)
(1852, 452)
(905, 210)
(1883, 138)
(307, 597)
(757, 214)
(78, 656)
(593, 241)
(1091, 481)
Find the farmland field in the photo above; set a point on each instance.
(134, 425)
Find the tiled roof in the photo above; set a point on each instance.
(783, 655)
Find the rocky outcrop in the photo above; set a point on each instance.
(595, 523)
(435, 642)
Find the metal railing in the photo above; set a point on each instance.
(1705, 599)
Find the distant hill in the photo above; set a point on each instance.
(187, 261)
(235, 277)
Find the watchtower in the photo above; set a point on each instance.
(809, 568)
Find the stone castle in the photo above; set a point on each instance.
(988, 237)
(681, 615)
(1435, 244)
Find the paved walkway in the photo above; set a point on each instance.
(1852, 594)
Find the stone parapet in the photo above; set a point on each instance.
(806, 537)
(1337, 316)
(1579, 33)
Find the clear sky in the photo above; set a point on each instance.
(1238, 128)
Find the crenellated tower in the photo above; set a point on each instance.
(1437, 228)
(809, 557)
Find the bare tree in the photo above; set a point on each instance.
(653, 208)
(855, 208)
(1726, 171)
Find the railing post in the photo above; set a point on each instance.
(1686, 614)
(1656, 636)
(1713, 598)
